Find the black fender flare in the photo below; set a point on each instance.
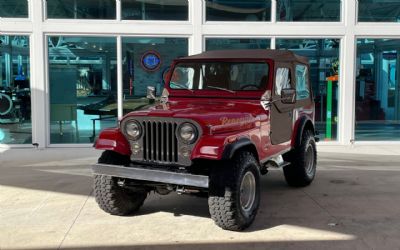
(303, 123)
(232, 148)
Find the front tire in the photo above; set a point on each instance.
(110, 196)
(303, 162)
(234, 193)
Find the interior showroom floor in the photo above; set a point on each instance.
(46, 202)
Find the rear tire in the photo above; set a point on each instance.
(303, 162)
(234, 193)
(109, 195)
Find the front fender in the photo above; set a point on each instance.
(232, 148)
(112, 139)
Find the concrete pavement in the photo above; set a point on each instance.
(46, 202)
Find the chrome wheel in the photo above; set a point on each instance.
(309, 160)
(247, 192)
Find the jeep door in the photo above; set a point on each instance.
(281, 113)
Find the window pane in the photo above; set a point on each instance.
(146, 63)
(183, 77)
(282, 80)
(83, 87)
(323, 55)
(379, 11)
(238, 10)
(377, 90)
(236, 43)
(154, 10)
(308, 10)
(235, 76)
(76, 9)
(302, 90)
(14, 8)
(15, 90)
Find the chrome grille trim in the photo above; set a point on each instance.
(160, 143)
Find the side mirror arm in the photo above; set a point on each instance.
(151, 94)
(268, 103)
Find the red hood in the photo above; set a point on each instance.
(207, 112)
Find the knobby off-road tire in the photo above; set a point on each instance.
(111, 197)
(234, 192)
(303, 162)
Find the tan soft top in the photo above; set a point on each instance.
(276, 55)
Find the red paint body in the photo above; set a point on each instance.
(112, 139)
(224, 118)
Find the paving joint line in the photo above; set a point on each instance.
(40, 205)
(73, 223)
(319, 205)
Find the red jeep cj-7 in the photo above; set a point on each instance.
(223, 119)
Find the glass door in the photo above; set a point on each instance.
(15, 90)
(377, 90)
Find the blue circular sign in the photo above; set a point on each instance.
(151, 61)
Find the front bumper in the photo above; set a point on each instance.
(154, 175)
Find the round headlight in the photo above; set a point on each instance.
(187, 133)
(133, 130)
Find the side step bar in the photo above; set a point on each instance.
(155, 175)
(277, 162)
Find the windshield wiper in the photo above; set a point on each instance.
(182, 86)
(228, 90)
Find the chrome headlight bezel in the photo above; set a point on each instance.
(129, 131)
(186, 127)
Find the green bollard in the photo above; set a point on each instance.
(329, 91)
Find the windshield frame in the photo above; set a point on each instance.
(220, 93)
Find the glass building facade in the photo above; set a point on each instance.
(71, 68)
(377, 100)
(82, 87)
(147, 60)
(155, 10)
(15, 90)
(14, 8)
(236, 43)
(378, 11)
(241, 10)
(74, 9)
(308, 10)
(323, 55)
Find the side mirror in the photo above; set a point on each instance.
(151, 94)
(288, 96)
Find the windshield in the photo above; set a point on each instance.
(222, 76)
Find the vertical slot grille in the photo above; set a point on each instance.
(159, 142)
